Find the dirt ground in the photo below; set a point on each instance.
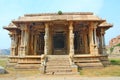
(35, 74)
(59, 77)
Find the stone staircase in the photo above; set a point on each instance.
(59, 64)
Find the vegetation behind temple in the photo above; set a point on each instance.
(112, 48)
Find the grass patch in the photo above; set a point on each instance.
(107, 71)
(3, 62)
(115, 61)
(16, 73)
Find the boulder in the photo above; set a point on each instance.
(2, 70)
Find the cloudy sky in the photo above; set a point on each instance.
(12, 9)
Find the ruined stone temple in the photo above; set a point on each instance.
(58, 43)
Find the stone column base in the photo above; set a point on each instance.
(42, 69)
(74, 69)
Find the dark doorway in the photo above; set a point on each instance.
(59, 43)
(40, 42)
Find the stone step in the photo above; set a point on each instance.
(57, 64)
(59, 59)
(59, 70)
(58, 67)
(61, 73)
(62, 60)
(90, 65)
(86, 61)
(89, 62)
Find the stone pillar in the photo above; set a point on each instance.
(93, 41)
(35, 43)
(13, 43)
(24, 40)
(71, 39)
(85, 42)
(46, 39)
(46, 49)
(71, 43)
(91, 38)
(103, 42)
(32, 43)
(100, 42)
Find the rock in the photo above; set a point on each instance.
(2, 70)
(114, 41)
(114, 46)
(116, 50)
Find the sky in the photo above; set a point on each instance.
(105, 9)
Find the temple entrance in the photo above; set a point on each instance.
(59, 43)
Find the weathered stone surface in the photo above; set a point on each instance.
(114, 41)
(116, 50)
(114, 46)
(2, 70)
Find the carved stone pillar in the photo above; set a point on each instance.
(93, 40)
(103, 42)
(24, 40)
(32, 43)
(13, 43)
(85, 42)
(46, 38)
(35, 44)
(99, 42)
(71, 39)
(71, 43)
